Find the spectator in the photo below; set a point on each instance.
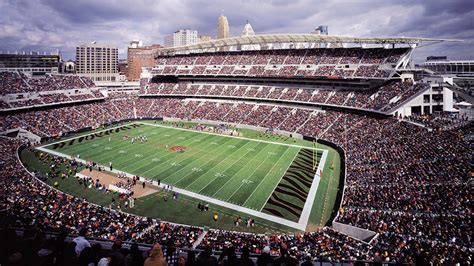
(206, 258)
(134, 257)
(245, 258)
(81, 242)
(264, 259)
(156, 257)
(182, 261)
(116, 255)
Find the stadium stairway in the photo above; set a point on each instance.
(146, 230)
(461, 93)
(200, 238)
(395, 107)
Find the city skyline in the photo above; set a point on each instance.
(48, 25)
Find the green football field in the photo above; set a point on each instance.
(264, 175)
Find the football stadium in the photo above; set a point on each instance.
(275, 148)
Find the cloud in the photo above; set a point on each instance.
(47, 25)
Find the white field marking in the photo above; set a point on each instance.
(218, 164)
(272, 153)
(88, 134)
(196, 169)
(219, 175)
(122, 151)
(256, 168)
(247, 181)
(167, 135)
(132, 149)
(271, 170)
(235, 192)
(175, 164)
(95, 145)
(181, 137)
(214, 143)
(138, 155)
(150, 153)
(197, 140)
(281, 177)
(235, 137)
(250, 149)
(182, 159)
(230, 179)
(231, 146)
(107, 148)
(156, 160)
(308, 205)
(301, 225)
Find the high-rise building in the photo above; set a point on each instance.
(222, 27)
(181, 37)
(97, 61)
(138, 58)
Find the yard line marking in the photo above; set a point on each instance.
(280, 179)
(235, 137)
(133, 148)
(255, 170)
(87, 134)
(235, 173)
(216, 176)
(263, 179)
(210, 153)
(167, 157)
(111, 155)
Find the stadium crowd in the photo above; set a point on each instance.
(47, 89)
(17, 82)
(383, 98)
(363, 62)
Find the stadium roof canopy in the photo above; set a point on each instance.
(220, 44)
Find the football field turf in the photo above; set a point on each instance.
(265, 176)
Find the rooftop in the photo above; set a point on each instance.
(217, 44)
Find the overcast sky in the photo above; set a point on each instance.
(48, 25)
